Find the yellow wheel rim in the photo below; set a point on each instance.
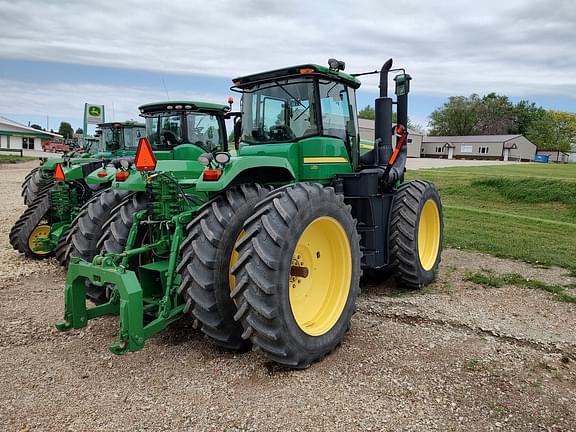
(429, 235)
(233, 259)
(320, 276)
(39, 233)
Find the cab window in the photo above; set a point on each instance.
(335, 103)
(279, 111)
(204, 131)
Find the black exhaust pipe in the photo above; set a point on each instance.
(383, 119)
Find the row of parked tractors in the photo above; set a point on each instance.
(262, 244)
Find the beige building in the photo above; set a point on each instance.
(16, 136)
(495, 147)
(414, 140)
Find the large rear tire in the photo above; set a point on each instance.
(32, 187)
(33, 225)
(115, 236)
(416, 233)
(207, 255)
(88, 227)
(298, 273)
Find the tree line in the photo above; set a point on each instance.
(495, 114)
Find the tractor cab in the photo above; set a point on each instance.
(119, 136)
(177, 127)
(306, 113)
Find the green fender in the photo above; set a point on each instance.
(96, 178)
(238, 165)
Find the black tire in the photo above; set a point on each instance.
(35, 183)
(264, 273)
(38, 211)
(118, 226)
(114, 235)
(206, 254)
(406, 217)
(62, 251)
(88, 227)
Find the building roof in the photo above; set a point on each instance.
(470, 138)
(7, 125)
(370, 124)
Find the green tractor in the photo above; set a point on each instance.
(271, 255)
(57, 190)
(178, 132)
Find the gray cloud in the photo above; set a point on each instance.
(516, 47)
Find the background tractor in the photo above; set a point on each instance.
(57, 190)
(179, 132)
(274, 256)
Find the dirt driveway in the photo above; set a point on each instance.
(454, 357)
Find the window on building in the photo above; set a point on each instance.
(439, 149)
(409, 140)
(28, 143)
(483, 149)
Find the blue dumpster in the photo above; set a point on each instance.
(541, 158)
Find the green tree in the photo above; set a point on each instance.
(66, 130)
(565, 125)
(458, 116)
(525, 113)
(495, 115)
(79, 131)
(367, 113)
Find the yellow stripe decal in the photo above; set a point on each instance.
(318, 160)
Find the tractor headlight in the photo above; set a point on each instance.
(222, 158)
(125, 164)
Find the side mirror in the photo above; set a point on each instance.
(237, 132)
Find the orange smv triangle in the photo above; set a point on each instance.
(145, 159)
(59, 173)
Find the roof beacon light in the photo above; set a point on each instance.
(306, 71)
(145, 159)
(59, 173)
(336, 64)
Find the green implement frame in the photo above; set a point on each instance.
(132, 295)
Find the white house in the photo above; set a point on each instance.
(16, 136)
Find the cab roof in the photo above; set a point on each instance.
(124, 124)
(299, 70)
(182, 105)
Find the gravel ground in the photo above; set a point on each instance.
(453, 357)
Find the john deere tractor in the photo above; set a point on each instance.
(272, 259)
(59, 188)
(178, 132)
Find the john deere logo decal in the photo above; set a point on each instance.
(95, 111)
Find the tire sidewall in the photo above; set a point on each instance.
(430, 193)
(316, 344)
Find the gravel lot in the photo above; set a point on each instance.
(454, 357)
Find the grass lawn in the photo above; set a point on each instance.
(526, 212)
(11, 159)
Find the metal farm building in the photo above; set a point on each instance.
(491, 147)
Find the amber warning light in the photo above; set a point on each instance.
(145, 159)
(59, 173)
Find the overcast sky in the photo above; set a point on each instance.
(56, 55)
